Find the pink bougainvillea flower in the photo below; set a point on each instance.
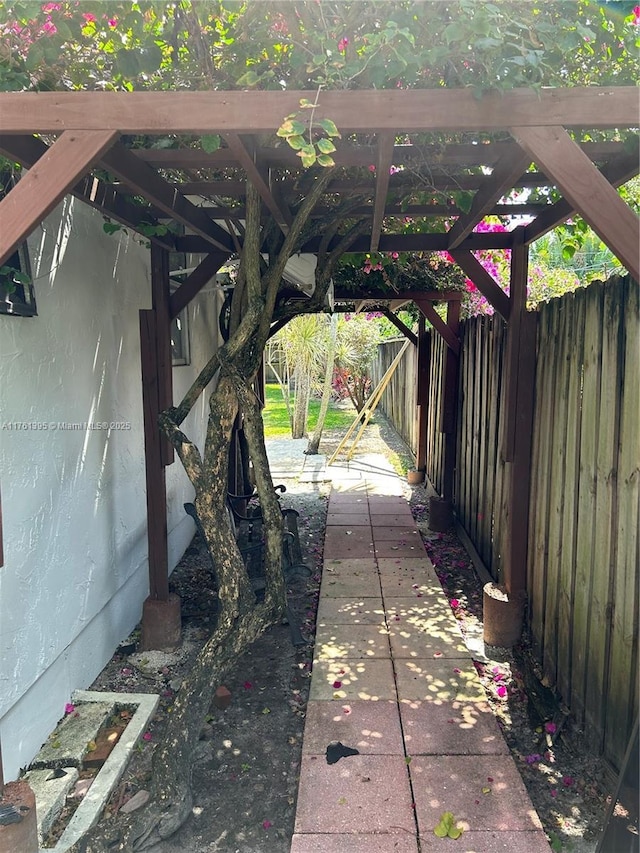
(337, 685)
(346, 710)
(534, 758)
(457, 670)
(342, 44)
(501, 691)
(454, 603)
(51, 7)
(554, 793)
(568, 781)
(89, 18)
(113, 22)
(550, 728)
(395, 256)
(69, 708)
(247, 685)
(266, 824)
(636, 16)
(147, 736)
(372, 168)
(50, 28)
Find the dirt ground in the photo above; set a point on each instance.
(245, 769)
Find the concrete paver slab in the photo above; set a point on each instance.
(340, 843)
(357, 679)
(451, 728)
(397, 534)
(439, 680)
(359, 641)
(357, 587)
(457, 784)
(345, 548)
(340, 568)
(371, 727)
(420, 564)
(493, 842)
(360, 794)
(349, 519)
(350, 611)
(424, 636)
(404, 585)
(386, 519)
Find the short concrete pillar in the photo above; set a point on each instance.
(161, 624)
(503, 615)
(440, 514)
(18, 824)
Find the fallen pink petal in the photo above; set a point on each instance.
(69, 708)
(266, 824)
(337, 685)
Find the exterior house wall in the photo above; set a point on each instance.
(75, 570)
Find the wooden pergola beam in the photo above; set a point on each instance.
(103, 197)
(199, 113)
(502, 179)
(444, 330)
(483, 280)
(247, 160)
(144, 181)
(193, 284)
(400, 326)
(617, 173)
(45, 184)
(586, 189)
(383, 165)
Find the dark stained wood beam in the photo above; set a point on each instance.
(193, 284)
(154, 466)
(502, 179)
(483, 280)
(144, 181)
(160, 300)
(618, 172)
(406, 296)
(400, 326)
(445, 331)
(475, 242)
(247, 160)
(586, 189)
(46, 183)
(27, 150)
(422, 395)
(383, 165)
(455, 154)
(395, 110)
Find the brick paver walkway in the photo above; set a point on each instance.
(392, 679)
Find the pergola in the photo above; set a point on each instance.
(489, 147)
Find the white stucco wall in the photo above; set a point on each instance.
(75, 568)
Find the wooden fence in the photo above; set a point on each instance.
(584, 557)
(584, 507)
(398, 401)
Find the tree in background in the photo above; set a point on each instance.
(358, 339)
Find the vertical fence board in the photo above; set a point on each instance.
(485, 377)
(587, 486)
(538, 551)
(495, 330)
(606, 512)
(622, 694)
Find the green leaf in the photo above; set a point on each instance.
(325, 160)
(440, 830)
(329, 127)
(454, 832)
(247, 80)
(296, 142)
(290, 128)
(326, 146)
(210, 142)
(308, 155)
(128, 62)
(111, 227)
(150, 59)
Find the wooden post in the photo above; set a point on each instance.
(504, 603)
(450, 404)
(424, 356)
(161, 303)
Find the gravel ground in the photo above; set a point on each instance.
(245, 769)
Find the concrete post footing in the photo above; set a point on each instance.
(503, 614)
(161, 624)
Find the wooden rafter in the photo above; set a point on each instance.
(408, 110)
(484, 281)
(247, 160)
(40, 190)
(586, 189)
(400, 326)
(617, 173)
(144, 181)
(443, 329)
(201, 275)
(102, 196)
(502, 179)
(383, 166)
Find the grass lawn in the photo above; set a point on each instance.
(276, 419)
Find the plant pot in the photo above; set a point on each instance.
(415, 478)
(440, 514)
